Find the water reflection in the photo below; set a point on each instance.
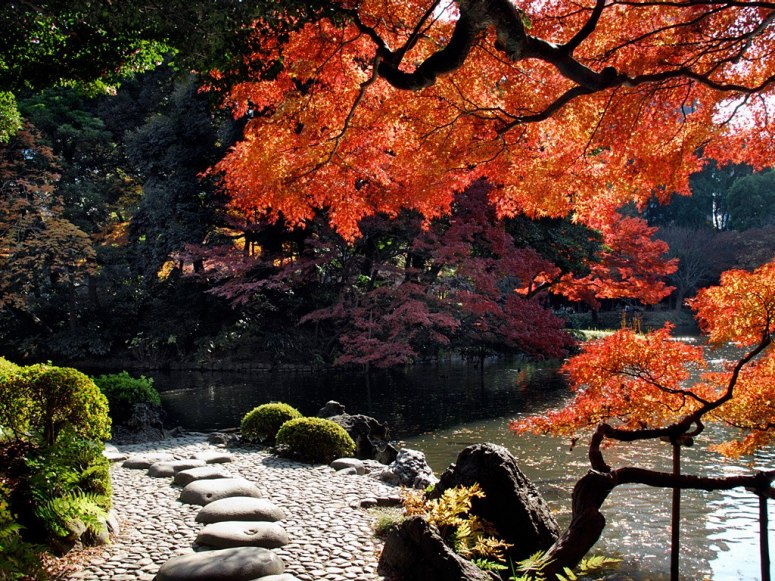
(424, 398)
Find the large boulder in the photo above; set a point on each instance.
(415, 552)
(371, 437)
(512, 503)
(408, 469)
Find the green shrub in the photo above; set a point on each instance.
(315, 440)
(123, 391)
(262, 423)
(63, 399)
(14, 402)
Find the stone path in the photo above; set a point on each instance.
(332, 538)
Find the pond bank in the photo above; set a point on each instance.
(330, 539)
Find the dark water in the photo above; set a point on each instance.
(440, 409)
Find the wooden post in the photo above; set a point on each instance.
(675, 521)
(764, 541)
(675, 533)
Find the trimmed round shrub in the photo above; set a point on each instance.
(262, 423)
(14, 401)
(63, 400)
(124, 391)
(315, 440)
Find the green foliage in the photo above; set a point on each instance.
(18, 559)
(10, 119)
(467, 534)
(70, 464)
(72, 515)
(315, 440)
(123, 391)
(262, 423)
(63, 400)
(13, 401)
(531, 569)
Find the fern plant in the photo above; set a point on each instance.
(532, 568)
(73, 514)
(467, 534)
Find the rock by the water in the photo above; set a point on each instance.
(512, 503)
(370, 436)
(354, 463)
(206, 472)
(414, 552)
(145, 423)
(144, 461)
(227, 534)
(164, 469)
(238, 564)
(240, 508)
(214, 457)
(409, 469)
(204, 492)
(222, 439)
(332, 408)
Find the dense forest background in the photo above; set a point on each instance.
(117, 247)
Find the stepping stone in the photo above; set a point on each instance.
(206, 472)
(283, 577)
(229, 534)
(214, 457)
(114, 456)
(239, 564)
(164, 469)
(147, 460)
(206, 491)
(244, 508)
(345, 463)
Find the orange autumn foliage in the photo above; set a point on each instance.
(569, 107)
(641, 382)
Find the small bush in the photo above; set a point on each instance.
(14, 402)
(18, 559)
(315, 440)
(63, 400)
(123, 391)
(262, 423)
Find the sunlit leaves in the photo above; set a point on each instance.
(741, 309)
(648, 381)
(328, 132)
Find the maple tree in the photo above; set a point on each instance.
(569, 107)
(631, 387)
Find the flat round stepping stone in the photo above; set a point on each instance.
(228, 534)
(144, 461)
(207, 472)
(115, 456)
(164, 469)
(214, 457)
(238, 564)
(283, 577)
(206, 491)
(240, 508)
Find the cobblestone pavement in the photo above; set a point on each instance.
(332, 538)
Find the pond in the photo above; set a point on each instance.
(444, 407)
